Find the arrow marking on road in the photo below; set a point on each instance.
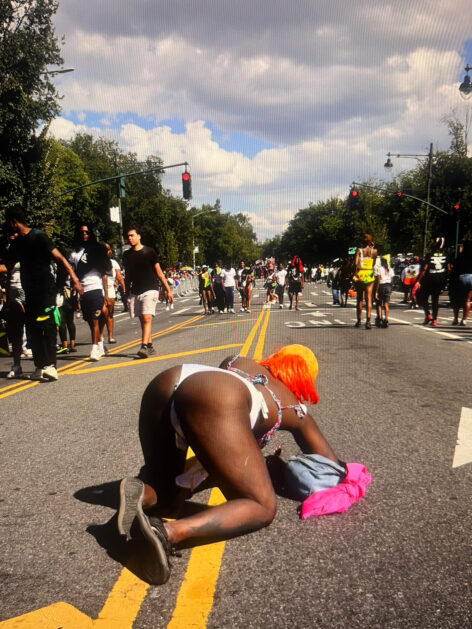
(463, 451)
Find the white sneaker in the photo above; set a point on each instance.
(50, 373)
(167, 308)
(281, 305)
(95, 354)
(231, 310)
(27, 353)
(37, 374)
(15, 372)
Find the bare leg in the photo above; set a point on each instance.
(218, 429)
(163, 461)
(368, 299)
(467, 307)
(146, 321)
(109, 319)
(360, 295)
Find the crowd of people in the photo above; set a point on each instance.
(46, 290)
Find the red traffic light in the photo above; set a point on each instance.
(354, 193)
(399, 194)
(457, 206)
(186, 186)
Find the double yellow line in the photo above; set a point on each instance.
(195, 598)
(76, 366)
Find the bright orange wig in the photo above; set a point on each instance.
(296, 366)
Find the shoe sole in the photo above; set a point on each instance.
(131, 497)
(143, 355)
(149, 553)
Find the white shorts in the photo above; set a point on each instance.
(111, 288)
(143, 304)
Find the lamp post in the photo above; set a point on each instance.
(389, 164)
(193, 217)
(465, 90)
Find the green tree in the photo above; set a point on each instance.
(28, 45)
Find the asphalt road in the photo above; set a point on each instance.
(391, 399)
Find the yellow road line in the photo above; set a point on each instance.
(261, 339)
(134, 342)
(233, 322)
(195, 597)
(23, 387)
(75, 365)
(146, 361)
(251, 335)
(123, 602)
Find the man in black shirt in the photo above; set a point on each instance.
(35, 252)
(142, 272)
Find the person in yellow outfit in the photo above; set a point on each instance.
(364, 278)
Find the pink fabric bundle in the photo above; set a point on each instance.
(339, 498)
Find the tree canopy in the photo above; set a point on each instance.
(28, 47)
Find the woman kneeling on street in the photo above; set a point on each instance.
(225, 415)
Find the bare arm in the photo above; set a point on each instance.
(120, 279)
(162, 277)
(59, 259)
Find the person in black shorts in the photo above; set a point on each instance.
(35, 252)
(91, 263)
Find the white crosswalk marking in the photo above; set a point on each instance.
(463, 451)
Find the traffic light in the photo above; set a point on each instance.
(121, 187)
(457, 206)
(397, 199)
(354, 194)
(186, 185)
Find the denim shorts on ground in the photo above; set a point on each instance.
(307, 473)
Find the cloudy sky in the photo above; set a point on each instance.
(274, 104)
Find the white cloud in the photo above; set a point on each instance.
(333, 86)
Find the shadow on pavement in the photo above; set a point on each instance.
(106, 495)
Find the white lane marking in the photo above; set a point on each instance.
(180, 311)
(313, 314)
(463, 451)
(340, 322)
(428, 328)
(295, 324)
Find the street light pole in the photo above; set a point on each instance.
(388, 164)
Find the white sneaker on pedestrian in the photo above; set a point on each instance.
(27, 353)
(15, 372)
(37, 374)
(95, 354)
(281, 305)
(50, 373)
